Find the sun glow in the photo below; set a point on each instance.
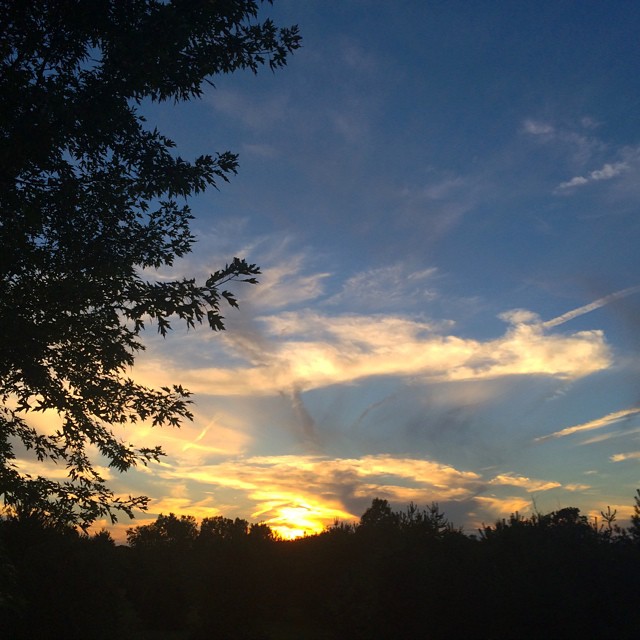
(303, 518)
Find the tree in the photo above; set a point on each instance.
(165, 531)
(218, 528)
(426, 524)
(90, 196)
(634, 529)
(379, 516)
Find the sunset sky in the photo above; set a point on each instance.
(444, 199)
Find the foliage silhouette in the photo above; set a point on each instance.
(550, 575)
(91, 195)
(634, 530)
(166, 530)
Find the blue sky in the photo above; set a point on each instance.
(444, 198)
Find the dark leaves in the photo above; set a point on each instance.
(90, 196)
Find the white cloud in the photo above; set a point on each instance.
(283, 284)
(578, 181)
(574, 141)
(387, 287)
(607, 172)
(519, 316)
(537, 128)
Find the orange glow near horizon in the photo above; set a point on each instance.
(296, 522)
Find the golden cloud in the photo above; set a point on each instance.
(310, 351)
(599, 423)
(503, 507)
(528, 484)
(631, 455)
(311, 488)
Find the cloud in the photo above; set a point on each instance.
(298, 494)
(519, 316)
(528, 484)
(575, 486)
(537, 128)
(599, 423)
(439, 201)
(308, 350)
(592, 306)
(256, 114)
(620, 457)
(53, 471)
(358, 58)
(609, 436)
(502, 507)
(350, 124)
(387, 287)
(263, 151)
(574, 142)
(283, 284)
(607, 172)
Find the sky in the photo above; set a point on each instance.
(443, 197)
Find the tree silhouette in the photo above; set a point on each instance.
(221, 529)
(634, 529)
(540, 576)
(90, 195)
(379, 516)
(165, 531)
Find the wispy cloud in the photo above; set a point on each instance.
(501, 507)
(358, 58)
(387, 287)
(610, 436)
(599, 423)
(607, 172)
(537, 128)
(574, 141)
(512, 480)
(576, 486)
(283, 284)
(261, 114)
(620, 457)
(440, 200)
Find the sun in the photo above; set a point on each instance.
(303, 519)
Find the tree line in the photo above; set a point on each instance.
(393, 574)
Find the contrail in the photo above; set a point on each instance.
(592, 306)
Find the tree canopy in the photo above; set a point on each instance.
(91, 195)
